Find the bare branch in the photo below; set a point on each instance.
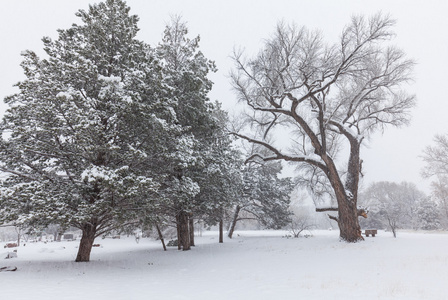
(326, 209)
(362, 212)
(278, 155)
(333, 218)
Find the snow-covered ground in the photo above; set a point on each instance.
(253, 265)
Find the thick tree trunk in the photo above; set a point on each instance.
(183, 231)
(346, 196)
(348, 222)
(348, 213)
(161, 237)
(85, 246)
(191, 228)
(234, 220)
(221, 231)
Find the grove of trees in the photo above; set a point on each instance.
(396, 206)
(108, 133)
(86, 137)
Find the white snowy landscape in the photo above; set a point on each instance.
(252, 265)
(148, 117)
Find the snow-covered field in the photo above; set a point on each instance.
(253, 265)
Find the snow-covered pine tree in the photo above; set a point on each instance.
(428, 214)
(84, 138)
(221, 176)
(195, 185)
(265, 197)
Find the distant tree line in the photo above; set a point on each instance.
(394, 206)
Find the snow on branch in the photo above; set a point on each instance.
(346, 131)
(17, 173)
(313, 160)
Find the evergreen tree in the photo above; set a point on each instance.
(220, 179)
(428, 214)
(265, 197)
(86, 137)
(200, 184)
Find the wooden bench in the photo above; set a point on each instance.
(371, 231)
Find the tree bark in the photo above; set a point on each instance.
(179, 231)
(348, 215)
(346, 196)
(221, 231)
(234, 220)
(18, 238)
(350, 231)
(86, 243)
(191, 228)
(161, 237)
(183, 231)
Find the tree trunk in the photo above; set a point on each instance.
(348, 222)
(161, 237)
(59, 236)
(234, 220)
(18, 236)
(183, 231)
(191, 228)
(348, 213)
(221, 231)
(346, 196)
(85, 246)
(393, 226)
(179, 231)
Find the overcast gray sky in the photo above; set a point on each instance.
(422, 31)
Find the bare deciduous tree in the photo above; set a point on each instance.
(436, 159)
(440, 193)
(328, 97)
(394, 205)
(300, 222)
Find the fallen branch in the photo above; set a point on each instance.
(12, 269)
